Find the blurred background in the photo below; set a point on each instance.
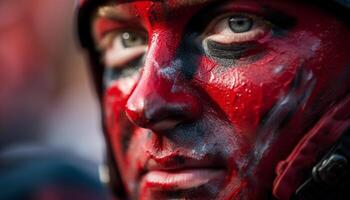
(47, 103)
(45, 92)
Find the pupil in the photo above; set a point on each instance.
(240, 24)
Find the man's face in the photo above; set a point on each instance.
(203, 98)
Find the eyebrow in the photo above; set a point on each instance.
(177, 2)
(113, 12)
(181, 3)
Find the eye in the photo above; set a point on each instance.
(120, 48)
(132, 39)
(236, 28)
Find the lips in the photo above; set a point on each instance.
(180, 180)
(175, 172)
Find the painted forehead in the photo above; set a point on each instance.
(122, 8)
(172, 3)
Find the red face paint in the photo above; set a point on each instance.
(205, 120)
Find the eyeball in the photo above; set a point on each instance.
(237, 28)
(132, 39)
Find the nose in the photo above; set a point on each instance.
(163, 97)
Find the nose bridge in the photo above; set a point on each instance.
(158, 101)
(162, 47)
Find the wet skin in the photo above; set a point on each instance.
(203, 99)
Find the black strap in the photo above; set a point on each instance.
(330, 177)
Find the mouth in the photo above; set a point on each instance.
(181, 179)
(181, 173)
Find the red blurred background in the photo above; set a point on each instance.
(45, 94)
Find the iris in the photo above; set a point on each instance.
(240, 24)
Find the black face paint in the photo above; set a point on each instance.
(189, 52)
(228, 51)
(110, 74)
(281, 22)
(125, 138)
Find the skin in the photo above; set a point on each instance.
(196, 120)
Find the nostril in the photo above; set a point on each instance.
(161, 121)
(166, 116)
(159, 115)
(164, 125)
(173, 111)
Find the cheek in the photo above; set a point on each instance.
(246, 93)
(113, 104)
(118, 126)
(116, 95)
(113, 107)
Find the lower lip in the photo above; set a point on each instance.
(180, 180)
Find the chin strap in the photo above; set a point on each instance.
(327, 174)
(330, 177)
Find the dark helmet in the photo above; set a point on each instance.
(84, 17)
